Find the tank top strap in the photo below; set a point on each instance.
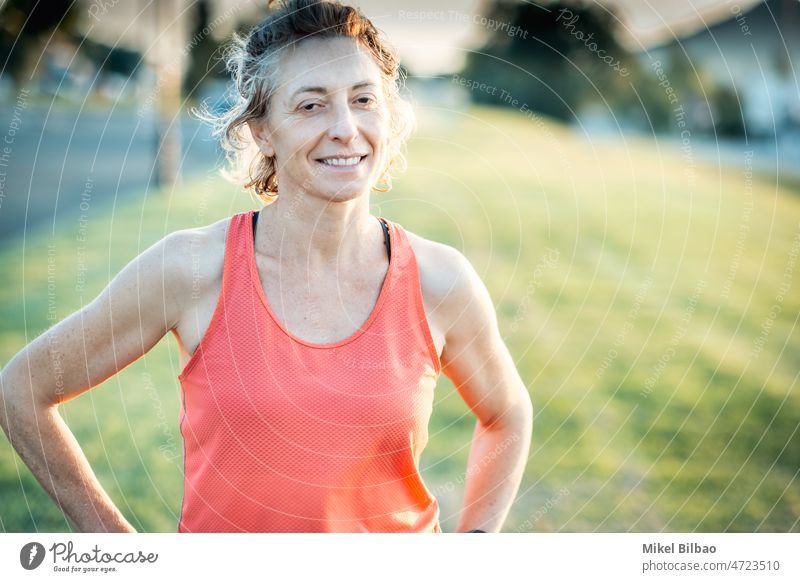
(406, 289)
(234, 279)
(238, 246)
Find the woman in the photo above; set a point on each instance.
(311, 333)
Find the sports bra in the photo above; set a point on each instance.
(387, 242)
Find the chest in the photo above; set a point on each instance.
(321, 307)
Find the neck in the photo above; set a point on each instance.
(315, 231)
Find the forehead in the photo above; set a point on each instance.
(332, 63)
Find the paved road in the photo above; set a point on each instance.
(48, 160)
(775, 158)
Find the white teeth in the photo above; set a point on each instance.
(341, 161)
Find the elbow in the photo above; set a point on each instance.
(522, 415)
(528, 407)
(521, 412)
(19, 397)
(7, 386)
(7, 400)
(518, 423)
(517, 418)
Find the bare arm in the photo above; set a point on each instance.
(128, 318)
(477, 360)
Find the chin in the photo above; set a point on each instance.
(345, 193)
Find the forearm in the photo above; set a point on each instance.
(49, 449)
(494, 471)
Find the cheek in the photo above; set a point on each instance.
(386, 130)
(379, 130)
(294, 151)
(385, 121)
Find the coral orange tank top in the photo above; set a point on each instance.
(285, 435)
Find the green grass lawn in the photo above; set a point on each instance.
(635, 289)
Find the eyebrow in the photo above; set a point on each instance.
(323, 90)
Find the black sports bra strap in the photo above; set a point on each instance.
(387, 240)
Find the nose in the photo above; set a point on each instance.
(343, 124)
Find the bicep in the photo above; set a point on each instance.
(135, 310)
(475, 357)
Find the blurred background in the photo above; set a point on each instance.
(624, 175)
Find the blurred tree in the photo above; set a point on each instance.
(205, 59)
(110, 59)
(24, 25)
(568, 53)
(716, 109)
(727, 116)
(169, 66)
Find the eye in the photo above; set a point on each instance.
(309, 106)
(367, 100)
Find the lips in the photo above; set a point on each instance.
(342, 161)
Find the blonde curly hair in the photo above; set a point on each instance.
(253, 61)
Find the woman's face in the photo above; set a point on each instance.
(327, 124)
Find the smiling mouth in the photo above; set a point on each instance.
(351, 162)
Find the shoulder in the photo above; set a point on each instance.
(209, 239)
(191, 259)
(449, 282)
(441, 266)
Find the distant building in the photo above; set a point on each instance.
(756, 52)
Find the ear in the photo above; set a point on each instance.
(261, 137)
